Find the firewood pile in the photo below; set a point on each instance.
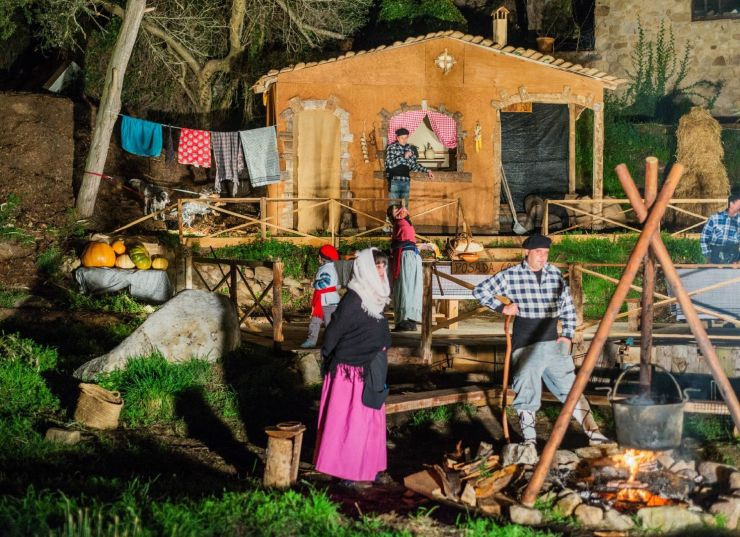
(466, 481)
(602, 488)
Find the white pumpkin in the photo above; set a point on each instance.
(124, 261)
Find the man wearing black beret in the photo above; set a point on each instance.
(539, 298)
(400, 161)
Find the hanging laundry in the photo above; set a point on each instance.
(195, 148)
(227, 153)
(141, 137)
(261, 154)
(170, 144)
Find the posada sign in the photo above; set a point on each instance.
(481, 267)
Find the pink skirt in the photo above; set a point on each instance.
(350, 443)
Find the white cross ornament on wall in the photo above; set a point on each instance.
(445, 61)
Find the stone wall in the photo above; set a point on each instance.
(716, 43)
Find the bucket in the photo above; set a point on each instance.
(97, 407)
(643, 424)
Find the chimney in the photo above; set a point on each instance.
(500, 22)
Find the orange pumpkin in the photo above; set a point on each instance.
(98, 254)
(119, 247)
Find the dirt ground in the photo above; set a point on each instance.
(36, 163)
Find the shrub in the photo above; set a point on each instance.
(658, 72)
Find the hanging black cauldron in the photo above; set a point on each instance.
(641, 422)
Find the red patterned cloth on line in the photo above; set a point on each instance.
(194, 148)
(444, 127)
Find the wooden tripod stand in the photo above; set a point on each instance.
(649, 240)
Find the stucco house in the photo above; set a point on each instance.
(474, 108)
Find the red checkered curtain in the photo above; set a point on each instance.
(444, 127)
(407, 120)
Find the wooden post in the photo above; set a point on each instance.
(571, 149)
(188, 268)
(496, 143)
(684, 299)
(179, 221)
(457, 217)
(263, 218)
(598, 157)
(233, 288)
(110, 105)
(575, 279)
(546, 218)
(648, 284)
(277, 305)
(425, 344)
(602, 333)
(332, 211)
(633, 316)
(283, 454)
(453, 309)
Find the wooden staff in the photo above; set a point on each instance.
(692, 318)
(648, 285)
(505, 385)
(602, 333)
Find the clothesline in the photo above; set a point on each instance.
(166, 125)
(257, 148)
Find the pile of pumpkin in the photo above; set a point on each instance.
(102, 254)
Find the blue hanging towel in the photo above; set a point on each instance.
(140, 137)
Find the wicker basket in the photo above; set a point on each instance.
(97, 407)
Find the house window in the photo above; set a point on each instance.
(433, 134)
(702, 10)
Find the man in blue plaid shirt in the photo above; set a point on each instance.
(539, 298)
(400, 161)
(720, 238)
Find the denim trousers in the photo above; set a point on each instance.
(397, 189)
(547, 361)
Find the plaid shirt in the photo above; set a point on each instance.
(721, 229)
(549, 299)
(394, 157)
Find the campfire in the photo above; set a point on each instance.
(608, 483)
(645, 485)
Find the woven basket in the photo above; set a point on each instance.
(97, 407)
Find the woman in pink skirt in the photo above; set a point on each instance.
(350, 443)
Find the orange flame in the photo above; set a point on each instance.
(633, 459)
(642, 496)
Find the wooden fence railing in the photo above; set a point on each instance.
(576, 207)
(262, 226)
(574, 273)
(232, 272)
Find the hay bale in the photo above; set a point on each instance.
(700, 150)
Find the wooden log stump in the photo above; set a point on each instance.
(283, 454)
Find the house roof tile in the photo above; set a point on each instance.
(610, 82)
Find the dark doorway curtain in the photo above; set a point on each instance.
(534, 152)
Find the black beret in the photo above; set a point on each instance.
(536, 241)
(401, 132)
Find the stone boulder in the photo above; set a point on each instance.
(519, 454)
(193, 324)
(668, 518)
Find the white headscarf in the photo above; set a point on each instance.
(373, 290)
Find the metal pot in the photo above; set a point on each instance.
(643, 424)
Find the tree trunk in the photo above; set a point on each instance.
(110, 106)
